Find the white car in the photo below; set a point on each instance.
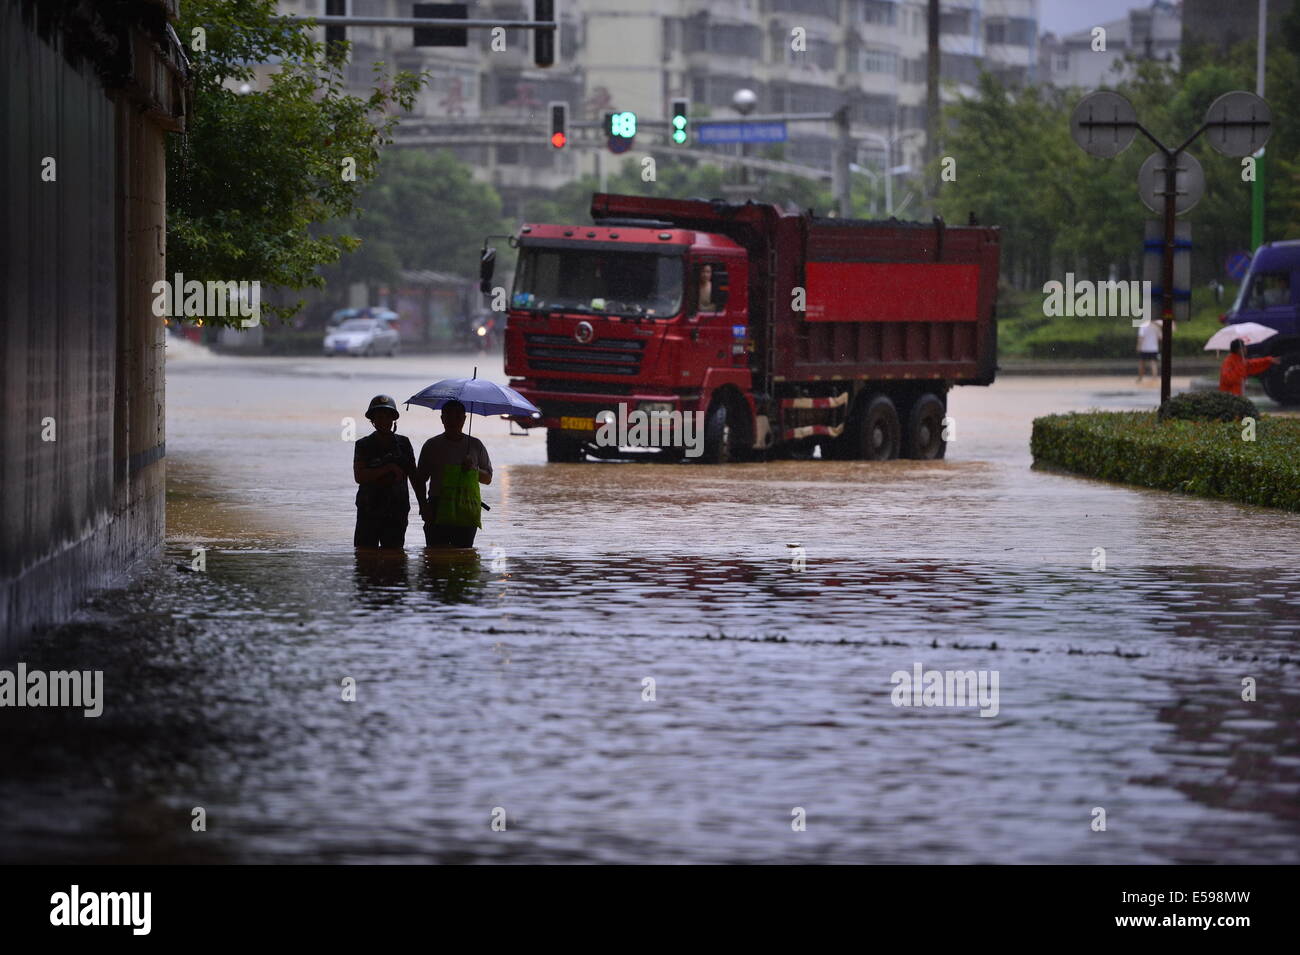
(363, 336)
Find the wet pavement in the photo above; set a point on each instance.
(511, 679)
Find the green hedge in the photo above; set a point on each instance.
(1207, 406)
(1206, 458)
(1025, 332)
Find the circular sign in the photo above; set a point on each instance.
(1103, 124)
(1236, 265)
(1188, 189)
(584, 333)
(1239, 123)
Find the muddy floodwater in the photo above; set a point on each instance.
(510, 682)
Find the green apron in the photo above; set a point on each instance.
(458, 500)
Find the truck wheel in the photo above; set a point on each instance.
(562, 449)
(721, 444)
(1282, 381)
(924, 437)
(878, 430)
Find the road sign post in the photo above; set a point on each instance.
(1104, 123)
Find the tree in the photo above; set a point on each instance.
(423, 211)
(673, 180)
(256, 171)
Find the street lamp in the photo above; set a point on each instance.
(744, 101)
(890, 169)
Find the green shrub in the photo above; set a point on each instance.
(1206, 458)
(1208, 406)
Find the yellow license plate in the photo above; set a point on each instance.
(577, 424)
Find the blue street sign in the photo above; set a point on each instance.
(740, 132)
(1236, 265)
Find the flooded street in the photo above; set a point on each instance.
(512, 676)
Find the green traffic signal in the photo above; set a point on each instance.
(680, 107)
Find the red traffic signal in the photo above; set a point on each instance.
(559, 123)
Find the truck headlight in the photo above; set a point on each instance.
(655, 407)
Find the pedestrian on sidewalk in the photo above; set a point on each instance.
(1148, 349)
(448, 521)
(383, 462)
(1237, 368)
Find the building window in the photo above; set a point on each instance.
(1011, 31)
(882, 12)
(878, 61)
(955, 21)
(818, 8)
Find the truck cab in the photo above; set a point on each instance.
(623, 314)
(1270, 296)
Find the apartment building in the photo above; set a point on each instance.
(795, 55)
(1150, 32)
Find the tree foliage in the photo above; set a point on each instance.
(423, 211)
(1061, 210)
(255, 172)
(686, 180)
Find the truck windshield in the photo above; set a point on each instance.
(608, 282)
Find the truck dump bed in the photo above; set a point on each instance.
(890, 300)
(884, 300)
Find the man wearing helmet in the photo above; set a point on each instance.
(383, 464)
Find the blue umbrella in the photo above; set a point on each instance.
(478, 395)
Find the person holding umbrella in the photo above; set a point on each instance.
(382, 464)
(454, 464)
(1237, 368)
(447, 462)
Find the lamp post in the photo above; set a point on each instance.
(1104, 123)
(744, 102)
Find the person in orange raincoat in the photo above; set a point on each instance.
(1237, 368)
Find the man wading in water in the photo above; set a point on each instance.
(382, 464)
(451, 449)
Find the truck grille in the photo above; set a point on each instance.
(611, 356)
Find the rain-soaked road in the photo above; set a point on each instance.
(513, 677)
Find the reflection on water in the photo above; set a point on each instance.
(512, 674)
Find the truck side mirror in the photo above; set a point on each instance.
(721, 286)
(487, 264)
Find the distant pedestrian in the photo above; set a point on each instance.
(382, 464)
(452, 518)
(1148, 349)
(1237, 368)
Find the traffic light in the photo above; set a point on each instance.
(620, 130)
(335, 36)
(440, 36)
(544, 40)
(559, 124)
(680, 121)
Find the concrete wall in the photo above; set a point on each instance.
(81, 354)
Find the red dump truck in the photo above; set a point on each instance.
(788, 332)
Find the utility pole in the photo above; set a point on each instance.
(1257, 187)
(931, 88)
(843, 181)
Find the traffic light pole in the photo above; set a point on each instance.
(350, 21)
